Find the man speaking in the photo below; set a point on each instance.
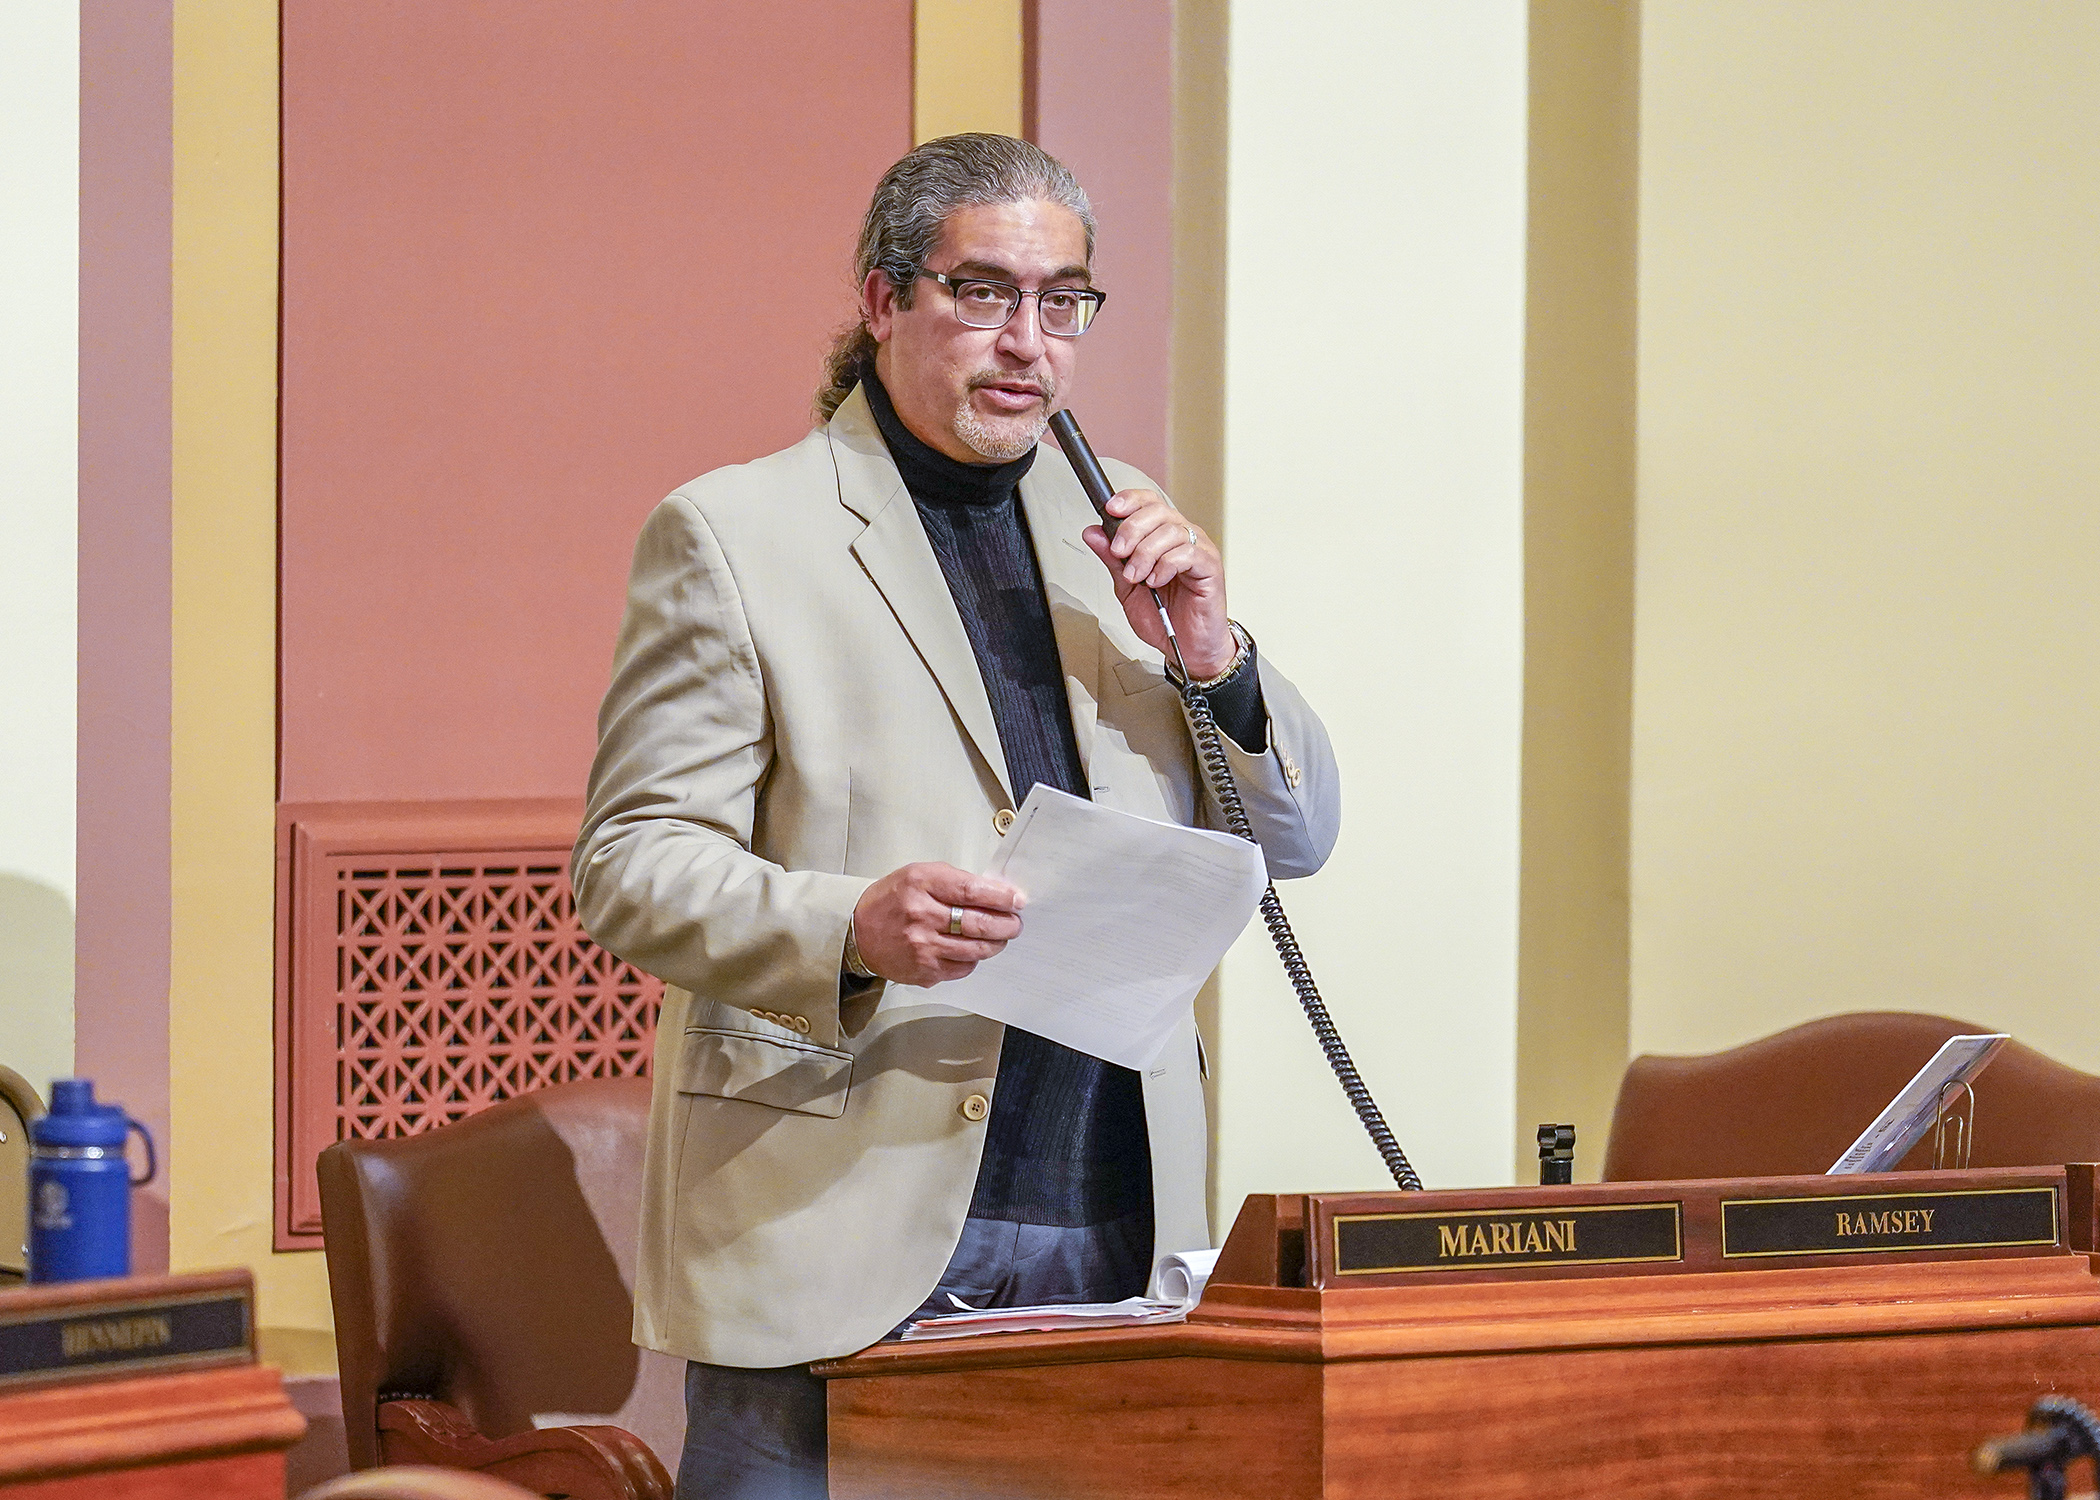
(841, 669)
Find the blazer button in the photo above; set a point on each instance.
(1002, 820)
(976, 1107)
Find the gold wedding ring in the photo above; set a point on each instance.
(955, 921)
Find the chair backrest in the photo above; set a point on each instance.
(1790, 1103)
(490, 1265)
(19, 1105)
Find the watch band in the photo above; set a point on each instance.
(854, 964)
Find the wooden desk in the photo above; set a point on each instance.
(219, 1429)
(1806, 1380)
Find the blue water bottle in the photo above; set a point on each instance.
(80, 1186)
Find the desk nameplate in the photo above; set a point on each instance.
(1889, 1223)
(1601, 1234)
(161, 1328)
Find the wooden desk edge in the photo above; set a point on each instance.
(1269, 1324)
(109, 1424)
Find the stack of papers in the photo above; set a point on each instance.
(1127, 1313)
(1181, 1278)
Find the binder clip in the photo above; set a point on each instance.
(1953, 1129)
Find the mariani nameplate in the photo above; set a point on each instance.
(142, 1325)
(1368, 1239)
(1602, 1234)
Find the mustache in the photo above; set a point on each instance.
(1044, 385)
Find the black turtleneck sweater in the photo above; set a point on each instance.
(1066, 1144)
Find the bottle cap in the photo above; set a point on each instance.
(77, 1120)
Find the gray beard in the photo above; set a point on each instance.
(1001, 440)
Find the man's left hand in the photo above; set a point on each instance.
(1157, 547)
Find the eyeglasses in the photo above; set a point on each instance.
(1063, 311)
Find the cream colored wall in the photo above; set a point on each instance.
(224, 656)
(39, 290)
(1866, 724)
(1373, 478)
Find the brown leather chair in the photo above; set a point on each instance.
(481, 1276)
(417, 1482)
(1791, 1103)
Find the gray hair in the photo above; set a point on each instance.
(906, 215)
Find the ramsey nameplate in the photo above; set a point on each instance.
(1490, 1239)
(1983, 1218)
(163, 1333)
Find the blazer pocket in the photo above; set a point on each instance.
(772, 1071)
(1135, 677)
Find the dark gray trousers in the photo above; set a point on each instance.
(759, 1434)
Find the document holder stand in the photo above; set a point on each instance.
(1796, 1337)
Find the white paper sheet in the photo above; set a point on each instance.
(1126, 918)
(1911, 1113)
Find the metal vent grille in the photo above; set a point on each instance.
(430, 965)
(462, 985)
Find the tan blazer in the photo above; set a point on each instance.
(794, 711)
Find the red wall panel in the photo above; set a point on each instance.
(1104, 105)
(544, 260)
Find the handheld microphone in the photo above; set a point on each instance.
(1094, 480)
(1092, 477)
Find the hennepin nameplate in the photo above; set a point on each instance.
(1972, 1219)
(160, 1333)
(1485, 1239)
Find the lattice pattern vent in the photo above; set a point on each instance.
(430, 964)
(458, 986)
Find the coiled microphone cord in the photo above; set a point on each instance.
(1217, 770)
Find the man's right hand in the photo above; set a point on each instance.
(901, 925)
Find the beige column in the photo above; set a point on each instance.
(966, 67)
(1373, 421)
(225, 658)
(1578, 570)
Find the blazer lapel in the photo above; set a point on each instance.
(898, 558)
(1073, 580)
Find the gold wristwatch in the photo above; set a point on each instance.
(1245, 644)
